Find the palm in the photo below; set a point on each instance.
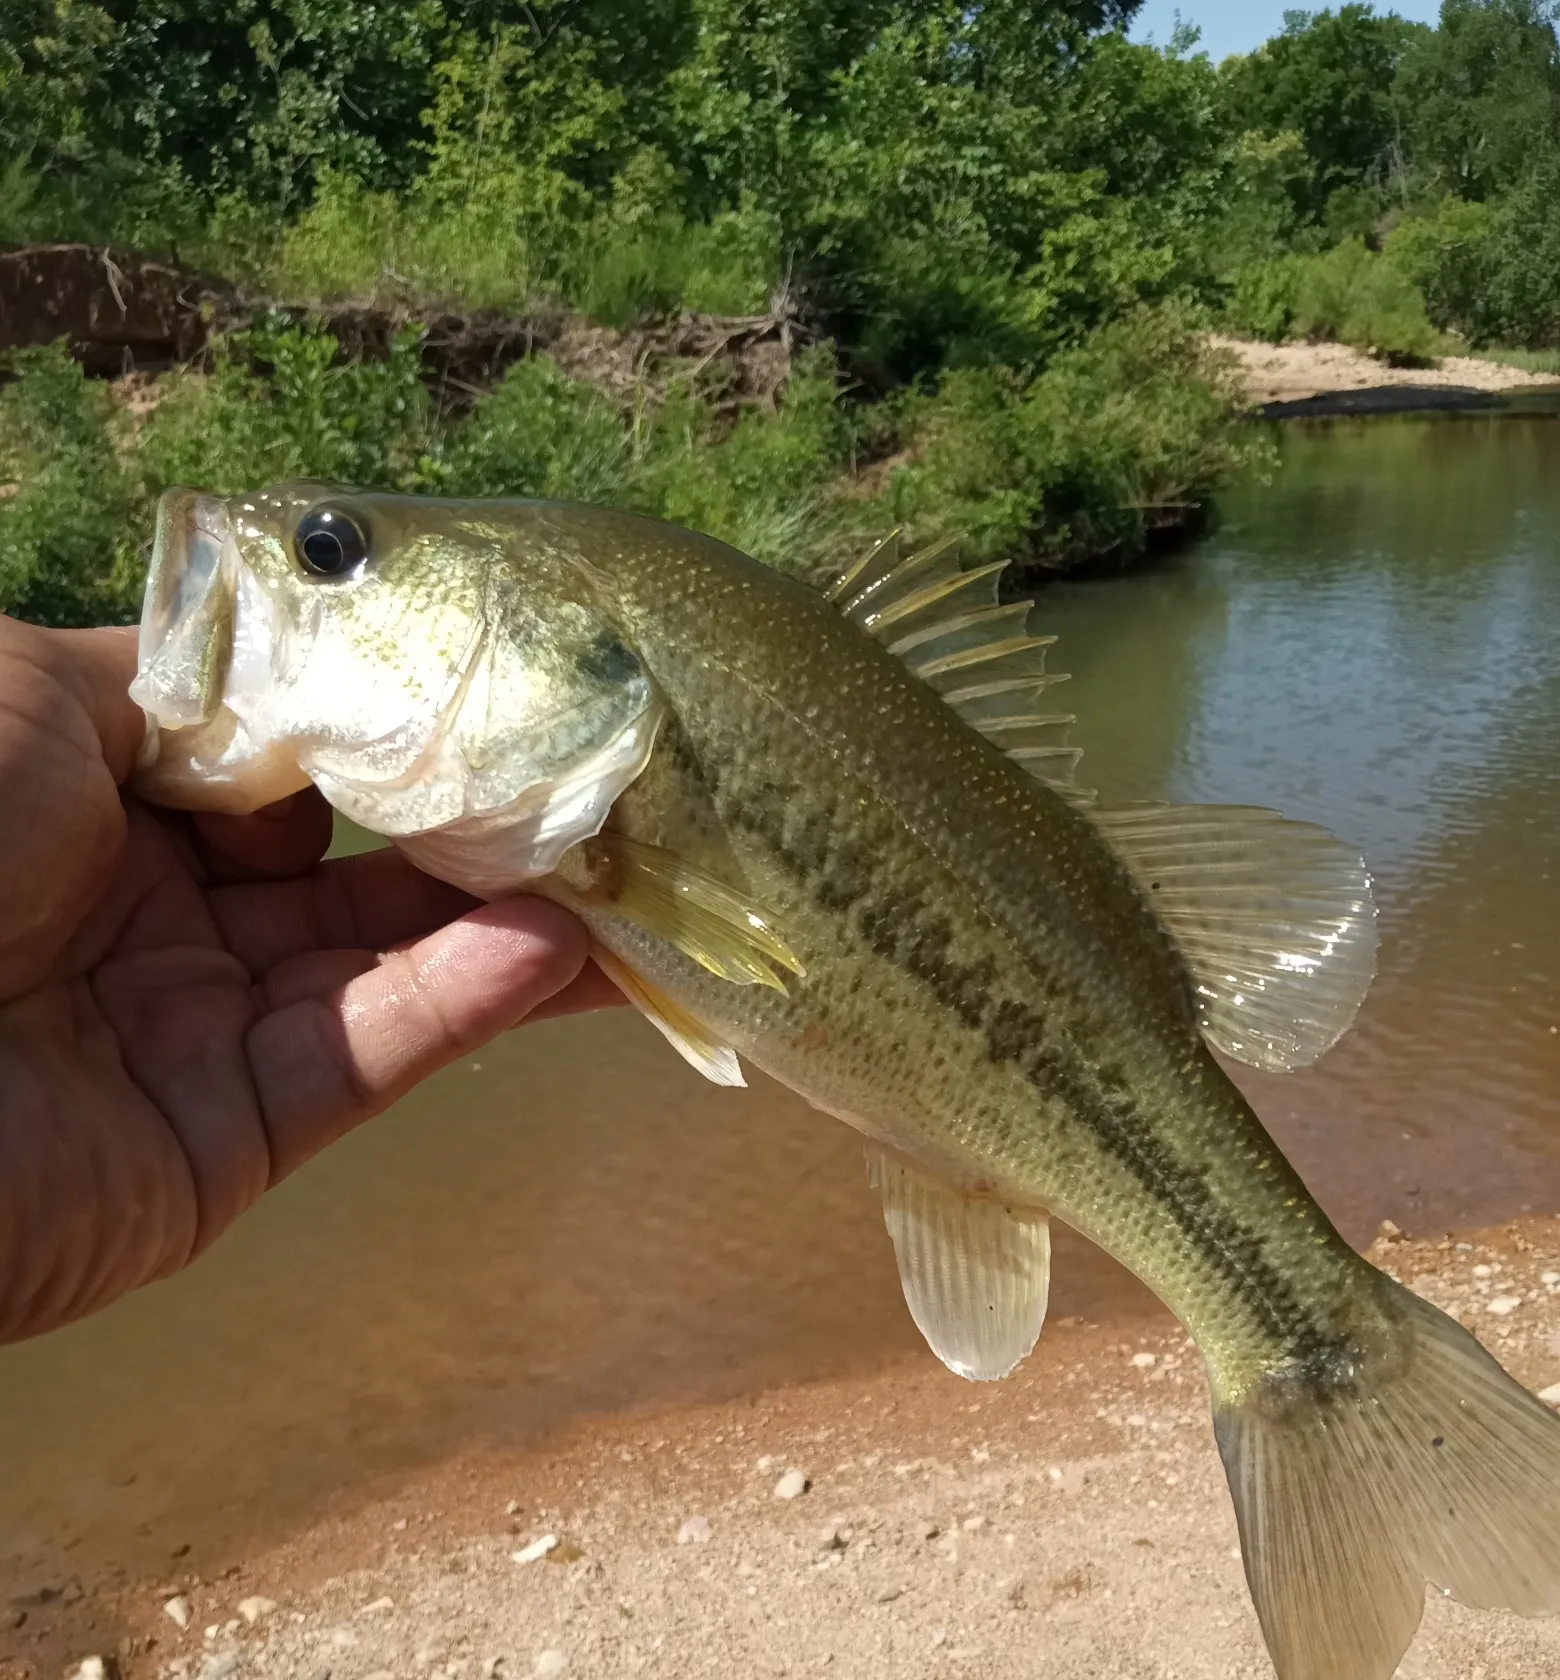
(191, 1009)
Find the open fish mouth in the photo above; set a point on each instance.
(187, 620)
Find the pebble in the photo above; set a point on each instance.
(1144, 1361)
(92, 1668)
(536, 1550)
(179, 1611)
(834, 1538)
(551, 1662)
(217, 1668)
(792, 1485)
(1549, 1279)
(252, 1609)
(888, 1595)
(1503, 1305)
(1483, 1271)
(972, 1523)
(694, 1532)
(928, 1530)
(512, 1509)
(375, 1607)
(1550, 1394)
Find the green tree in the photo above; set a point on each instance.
(1480, 96)
(1328, 77)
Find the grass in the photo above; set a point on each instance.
(1530, 361)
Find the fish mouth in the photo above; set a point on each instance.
(197, 755)
(187, 614)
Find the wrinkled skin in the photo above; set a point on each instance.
(191, 1008)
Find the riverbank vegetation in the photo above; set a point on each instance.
(990, 238)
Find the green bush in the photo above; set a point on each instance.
(1360, 297)
(69, 511)
(1129, 431)
(1350, 294)
(767, 486)
(280, 403)
(1446, 253)
(539, 433)
(1262, 298)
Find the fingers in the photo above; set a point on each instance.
(283, 839)
(590, 989)
(324, 1063)
(369, 902)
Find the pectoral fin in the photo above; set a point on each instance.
(1275, 919)
(715, 925)
(717, 1062)
(976, 1273)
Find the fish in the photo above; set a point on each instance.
(838, 835)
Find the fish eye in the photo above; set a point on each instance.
(330, 542)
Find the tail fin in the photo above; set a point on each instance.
(1427, 1463)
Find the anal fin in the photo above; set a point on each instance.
(976, 1273)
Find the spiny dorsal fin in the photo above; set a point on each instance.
(1275, 919)
(948, 625)
(976, 1273)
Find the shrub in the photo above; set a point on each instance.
(1128, 431)
(1360, 297)
(281, 404)
(1350, 294)
(68, 507)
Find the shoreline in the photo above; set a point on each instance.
(1070, 1522)
(1332, 381)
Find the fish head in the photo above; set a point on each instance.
(423, 662)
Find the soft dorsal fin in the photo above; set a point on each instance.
(976, 1273)
(948, 625)
(1275, 919)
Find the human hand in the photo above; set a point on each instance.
(192, 1007)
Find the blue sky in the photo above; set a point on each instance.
(1236, 26)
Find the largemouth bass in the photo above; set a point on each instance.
(839, 836)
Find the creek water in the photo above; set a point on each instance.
(572, 1222)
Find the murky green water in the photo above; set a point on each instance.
(574, 1222)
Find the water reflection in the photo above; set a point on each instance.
(575, 1222)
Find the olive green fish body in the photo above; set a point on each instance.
(985, 988)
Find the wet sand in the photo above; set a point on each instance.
(1070, 1523)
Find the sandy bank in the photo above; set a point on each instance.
(1071, 1523)
(1333, 379)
